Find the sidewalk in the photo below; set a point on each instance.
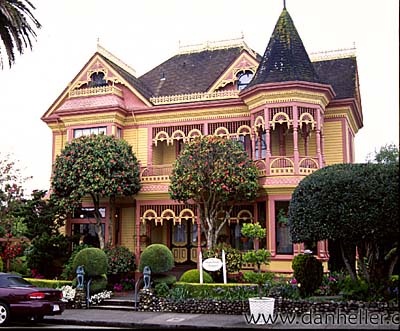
(152, 320)
(132, 319)
(147, 320)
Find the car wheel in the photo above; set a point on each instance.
(4, 314)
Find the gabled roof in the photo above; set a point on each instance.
(285, 58)
(191, 72)
(341, 74)
(136, 83)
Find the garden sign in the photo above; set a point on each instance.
(212, 264)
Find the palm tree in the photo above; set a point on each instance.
(15, 28)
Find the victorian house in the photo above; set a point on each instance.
(293, 114)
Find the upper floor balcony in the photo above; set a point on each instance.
(272, 166)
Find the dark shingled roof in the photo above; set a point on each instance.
(340, 74)
(191, 72)
(136, 83)
(285, 58)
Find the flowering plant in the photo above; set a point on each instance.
(120, 260)
(99, 297)
(330, 285)
(118, 287)
(68, 293)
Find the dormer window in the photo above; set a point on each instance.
(244, 79)
(97, 79)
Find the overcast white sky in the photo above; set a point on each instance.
(145, 33)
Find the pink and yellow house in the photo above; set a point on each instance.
(292, 113)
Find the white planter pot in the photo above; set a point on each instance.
(261, 310)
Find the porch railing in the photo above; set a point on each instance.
(278, 166)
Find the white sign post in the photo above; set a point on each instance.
(201, 267)
(224, 266)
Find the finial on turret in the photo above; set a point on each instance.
(284, 4)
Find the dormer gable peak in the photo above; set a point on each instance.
(101, 50)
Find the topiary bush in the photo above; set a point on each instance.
(158, 257)
(69, 272)
(308, 272)
(193, 276)
(167, 279)
(93, 260)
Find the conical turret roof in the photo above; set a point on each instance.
(285, 58)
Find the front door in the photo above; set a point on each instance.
(184, 241)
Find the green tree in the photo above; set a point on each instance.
(98, 166)
(17, 27)
(214, 173)
(351, 203)
(11, 196)
(48, 248)
(388, 153)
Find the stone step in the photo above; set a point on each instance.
(114, 307)
(126, 302)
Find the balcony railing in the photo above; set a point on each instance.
(278, 166)
(156, 173)
(98, 90)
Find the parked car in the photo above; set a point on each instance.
(19, 299)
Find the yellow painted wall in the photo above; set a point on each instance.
(137, 138)
(59, 142)
(169, 154)
(312, 145)
(274, 138)
(289, 146)
(128, 228)
(333, 147)
(163, 153)
(158, 152)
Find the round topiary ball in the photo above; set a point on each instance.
(193, 276)
(93, 260)
(158, 257)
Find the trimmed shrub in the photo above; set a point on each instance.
(308, 272)
(193, 276)
(98, 284)
(93, 260)
(167, 279)
(69, 272)
(158, 257)
(1, 265)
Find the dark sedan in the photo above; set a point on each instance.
(19, 299)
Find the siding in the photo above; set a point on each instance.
(169, 154)
(59, 144)
(158, 153)
(333, 142)
(128, 228)
(137, 138)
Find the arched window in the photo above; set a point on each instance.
(97, 79)
(244, 79)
